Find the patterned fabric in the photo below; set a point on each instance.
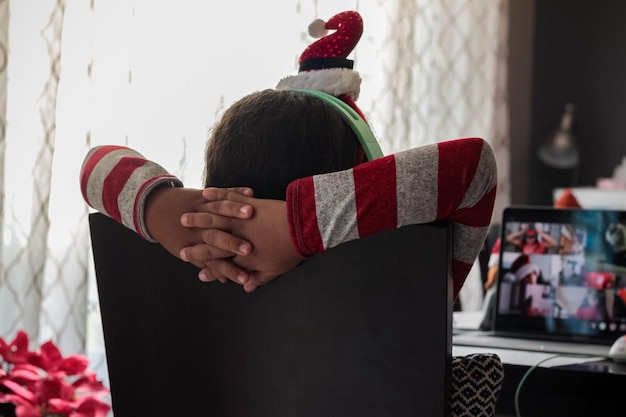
(476, 383)
(453, 181)
(116, 181)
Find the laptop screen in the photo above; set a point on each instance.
(562, 273)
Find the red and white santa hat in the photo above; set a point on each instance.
(520, 268)
(324, 65)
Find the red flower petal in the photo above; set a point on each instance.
(20, 341)
(35, 359)
(73, 365)
(56, 388)
(91, 407)
(90, 383)
(24, 373)
(26, 410)
(59, 406)
(50, 355)
(19, 390)
(23, 408)
(17, 350)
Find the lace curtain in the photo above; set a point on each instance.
(155, 75)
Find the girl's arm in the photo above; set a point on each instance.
(453, 181)
(143, 196)
(116, 181)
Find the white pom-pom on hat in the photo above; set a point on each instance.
(317, 28)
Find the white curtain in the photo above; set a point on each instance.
(156, 74)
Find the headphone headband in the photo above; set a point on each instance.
(360, 128)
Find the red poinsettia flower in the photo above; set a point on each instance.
(54, 397)
(17, 350)
(45, 383)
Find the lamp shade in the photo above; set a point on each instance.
(559, 150)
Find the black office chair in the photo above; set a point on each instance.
(363, 329)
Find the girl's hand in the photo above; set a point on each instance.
(242, 221)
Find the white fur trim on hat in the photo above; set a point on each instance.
(335, 81)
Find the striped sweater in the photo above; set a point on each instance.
(452, 181)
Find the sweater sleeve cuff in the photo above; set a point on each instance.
(302, 217)
(140, 202)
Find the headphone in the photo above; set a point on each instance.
(360, 128)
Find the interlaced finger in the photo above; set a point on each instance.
(205, 221)
(223, 268)
(228, 208)
(203, 253)
(239, 194)
(224, 242)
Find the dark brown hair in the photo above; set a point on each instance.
(270, 138)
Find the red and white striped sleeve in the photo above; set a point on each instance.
(116, 181)
(452, 181)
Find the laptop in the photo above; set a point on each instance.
(561, 282)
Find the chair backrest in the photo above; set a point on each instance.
(363, 329)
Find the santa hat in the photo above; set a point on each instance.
(324, 65)
(520, 268)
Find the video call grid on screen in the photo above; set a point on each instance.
(574, 278)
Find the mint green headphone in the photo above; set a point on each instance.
(360, 128)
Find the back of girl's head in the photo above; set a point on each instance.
(270, 138)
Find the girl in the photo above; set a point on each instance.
(308, 161)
